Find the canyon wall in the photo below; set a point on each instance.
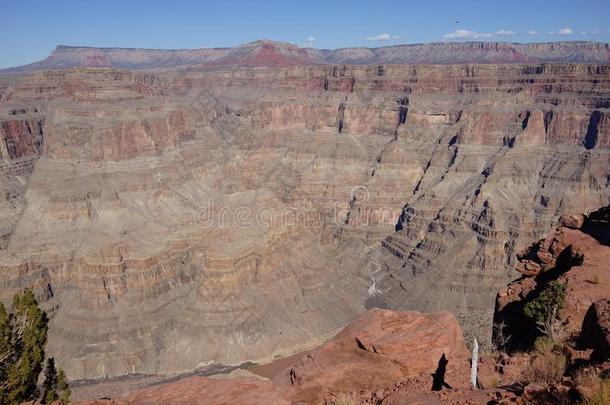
(173, 219)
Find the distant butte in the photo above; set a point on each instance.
(267, 53)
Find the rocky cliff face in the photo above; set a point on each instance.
(474, 52)
(575, 254)
(174, 219)
(273, 54)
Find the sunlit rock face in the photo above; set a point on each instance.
(267, 53)
(177, 218)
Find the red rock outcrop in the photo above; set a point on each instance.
(21, 138)
(377, 349)
(264, 53)
(579, 259)
(595, 332)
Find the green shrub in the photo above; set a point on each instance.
(64, 388)
(544, 344)
(543, 309)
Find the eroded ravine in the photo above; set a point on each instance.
(177, 218)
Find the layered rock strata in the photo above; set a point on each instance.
(282, 54)
(173, 219)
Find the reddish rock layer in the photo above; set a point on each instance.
(376, 350)
(201, 390)
(21, 138)
(595, 332)
(576, 257)
(106, 221)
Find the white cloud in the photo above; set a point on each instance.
(381, 37)
(460, 33)
(310, 42)
(584, 32)
(595, 32)
(504, 33)
(532, 32)
(467, 34)
(562, 31)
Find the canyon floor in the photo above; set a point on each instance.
(195, 214)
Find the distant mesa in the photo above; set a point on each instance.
(267, 53)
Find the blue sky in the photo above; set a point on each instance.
(30, 29)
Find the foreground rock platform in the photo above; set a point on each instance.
(375, 350)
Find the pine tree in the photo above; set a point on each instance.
(23, 336)
(6, 352)
(63, 387)
(50, 383)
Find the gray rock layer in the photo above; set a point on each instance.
(174, 219)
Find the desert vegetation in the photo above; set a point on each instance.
(548, 363)
(23, 337)
(602, 395)
(544, 308)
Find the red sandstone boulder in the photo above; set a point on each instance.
(595, 332)
(572, 221)
(376, 350)
(488, 375)
(544, 255)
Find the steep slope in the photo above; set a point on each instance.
(389, 357)
(174, 219)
